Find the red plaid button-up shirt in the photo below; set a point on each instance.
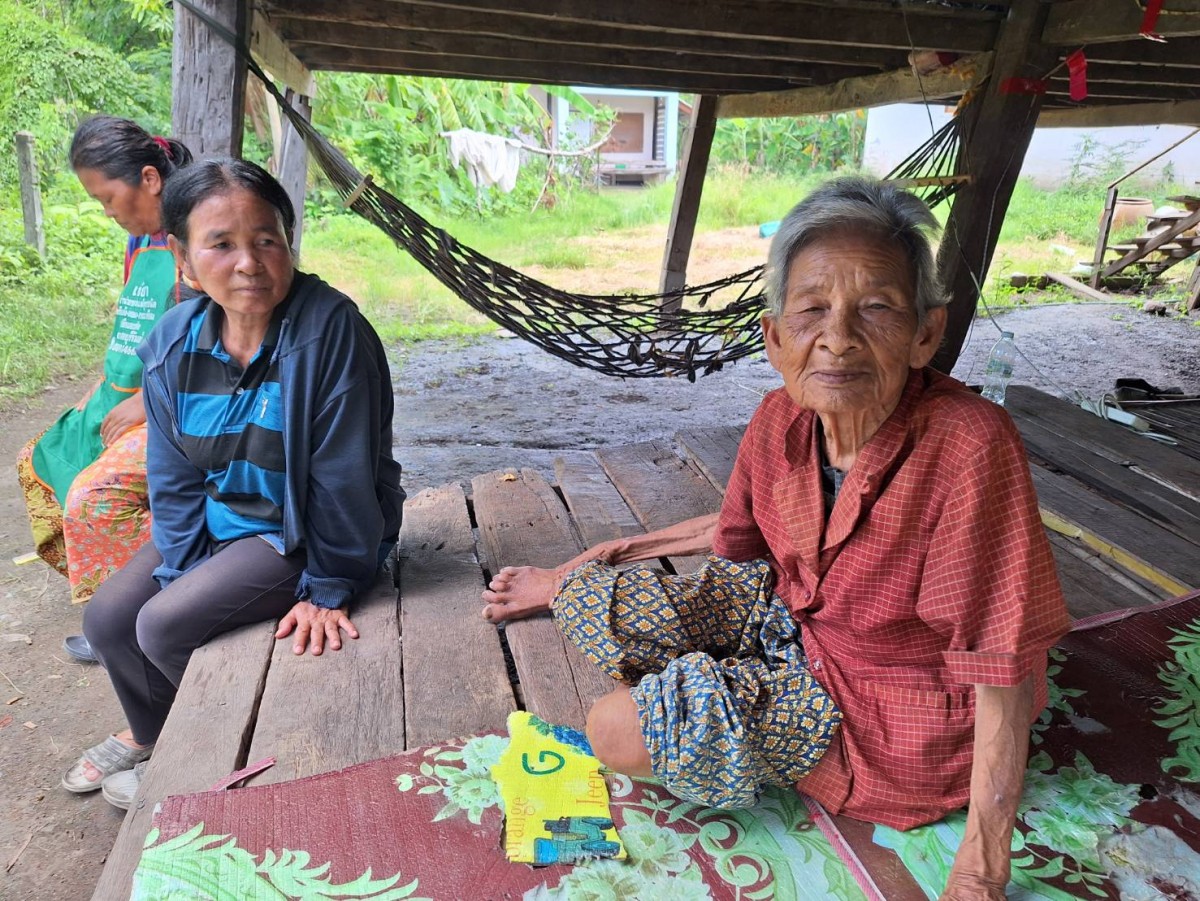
(931, 575)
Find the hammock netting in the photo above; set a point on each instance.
(690, 332)
(934, 162)
(634, 336)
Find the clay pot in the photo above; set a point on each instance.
(1131, 211)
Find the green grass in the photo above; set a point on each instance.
(1049, 231)
(51, 326)
(56, 313)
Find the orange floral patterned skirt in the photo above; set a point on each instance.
(107, 519)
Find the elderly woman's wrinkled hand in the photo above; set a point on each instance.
(126, 415)
(314, 627)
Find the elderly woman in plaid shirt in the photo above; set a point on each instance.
(872, 622)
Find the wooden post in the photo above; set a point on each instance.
(688, 187)
(996, 133)
(292, 155)
(1193, 290)
(208, 102)
(31, 195)
(1106, 218)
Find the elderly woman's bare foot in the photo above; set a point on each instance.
(519, 591)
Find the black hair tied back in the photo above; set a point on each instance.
(119, 148)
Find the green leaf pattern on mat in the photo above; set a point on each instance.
(461, 774)
(1180, 710)
(769, 851)
(1058, 697)
(202, 867)
(1071, 809)
(927, 851)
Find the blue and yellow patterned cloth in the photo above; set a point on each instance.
(725, 699)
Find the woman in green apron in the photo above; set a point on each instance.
(84, 478)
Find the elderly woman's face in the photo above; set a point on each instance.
(848, 333)
(237, 253)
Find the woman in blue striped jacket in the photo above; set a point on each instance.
(272, 485)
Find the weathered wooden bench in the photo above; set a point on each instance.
(427, 667)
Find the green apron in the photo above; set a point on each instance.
(73, 442)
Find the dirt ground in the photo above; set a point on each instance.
(462, 409)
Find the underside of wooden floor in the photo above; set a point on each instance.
(1122, 511)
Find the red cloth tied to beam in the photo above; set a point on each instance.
(1017, 85)
(1077, 67)
(1149, 20)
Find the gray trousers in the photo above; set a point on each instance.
(144, 635)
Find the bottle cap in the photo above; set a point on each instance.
(1004, 335)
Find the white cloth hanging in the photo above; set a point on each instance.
(490, 159)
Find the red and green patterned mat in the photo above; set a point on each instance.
(1109, 811)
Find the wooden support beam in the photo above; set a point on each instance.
(996, 132)
(31, 192)
(1193, 290)
(1059, 91)
(1110, 207)
(1179, 52)
(1179, 112)
(208, 93)
(292, 158)
(899, 86)
(1101, 74)
(272, 53)
(306, 36)
(771, 20)
(383, 23)
(534, 71)
(1102, 21)
(689, 186)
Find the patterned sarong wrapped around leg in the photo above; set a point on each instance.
(45, 513)
(107, 519)
(725, 699)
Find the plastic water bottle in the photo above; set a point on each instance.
(999, 368)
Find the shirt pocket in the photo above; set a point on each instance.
(267, 412)
(927, 701)
(918, 740)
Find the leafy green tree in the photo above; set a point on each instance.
(51, 76)
(391, 126)
(791, 145)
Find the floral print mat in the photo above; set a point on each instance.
(1108, 812)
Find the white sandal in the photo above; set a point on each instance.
(110, 756)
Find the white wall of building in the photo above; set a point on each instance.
(894, 132)
(623, 100)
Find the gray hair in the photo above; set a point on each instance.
(858, 205)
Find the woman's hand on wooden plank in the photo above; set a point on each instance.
(315, 627)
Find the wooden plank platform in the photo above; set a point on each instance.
(1122, 511)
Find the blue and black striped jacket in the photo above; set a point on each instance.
(341, 498)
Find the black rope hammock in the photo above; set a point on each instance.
(634, 336)
(692, 331)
